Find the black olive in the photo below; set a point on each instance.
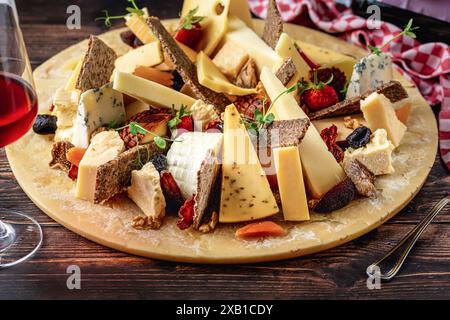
(359, 138)
(160, 162)
(178, 82)
(45, 124)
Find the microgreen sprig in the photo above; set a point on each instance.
(176, 120)
(107, 18)
(407, 31)
(190, 20)
(136, 128)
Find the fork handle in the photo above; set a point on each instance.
(391, 263)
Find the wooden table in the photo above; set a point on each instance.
(105, 273)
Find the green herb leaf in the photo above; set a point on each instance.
(407, 31)
(190, 20)
(160, 142)
(269, 118)
(107, 18)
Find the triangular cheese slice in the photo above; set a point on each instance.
(246, 193)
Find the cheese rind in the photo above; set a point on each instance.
(291, 184)
(380, 114)
(321, 170)
(376, 155)
(286, 49)
(246, 194)
(150, 92)
(97, 108)
(370, 73)
(148, 55)
(105, 146)
(241, 35)
(146, 192)
(211, 77)
(214, 24)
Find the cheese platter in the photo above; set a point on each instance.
(215, 138)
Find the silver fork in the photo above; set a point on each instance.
(391, 263)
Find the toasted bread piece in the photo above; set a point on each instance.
(59, 158)
(286, 133)
(248, 76)
(97, 67)
(393, 90)
(114, 176)
(185, 67)
(273, 28)
(361, 177)
(286, 71)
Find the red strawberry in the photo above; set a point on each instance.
(186, 124)
(182, 122)
(190, 37)
(318, 95)
(190, 30)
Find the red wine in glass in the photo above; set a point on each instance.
(20, 234)
(18, 108)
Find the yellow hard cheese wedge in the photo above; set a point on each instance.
(321, 170)
(104, 147)
(380, 114)
(290, 183)
(140, 28)
(328, 58)
(286, 49)
(150, 92)
(244, 37)
(211, 77)
(71, 83)
(240, 9)
(246, 193)
(214, 24)
(148, 55)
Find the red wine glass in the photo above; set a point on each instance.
(20, 235)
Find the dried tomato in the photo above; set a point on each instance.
(186, 214)
(73, 172)
(171, 191)
(329, 136)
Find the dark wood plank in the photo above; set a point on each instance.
(336, 273)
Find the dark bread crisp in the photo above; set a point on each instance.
(393, 90)
(286, 71)
(248, 77)
(185, 67)
(98, 65)
(284, 133)
(59, 158)
(361, 177)
(273, 28)
(114, 176)
(206, 178)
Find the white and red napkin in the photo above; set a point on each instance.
(425, 65)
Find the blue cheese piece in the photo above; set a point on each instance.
(97, 108)
(370, 73)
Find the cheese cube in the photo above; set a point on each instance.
(230, 59)
(290, 184)
(202, 114)
(403, 109)
(246, 193)
(97, 108)
(148, 55)
(150, 92)
(370, 73)
(379, 114)
(322, 172)
(105, 146)
(146, 192)
(376, 155)
(211, 77)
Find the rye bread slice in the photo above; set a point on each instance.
(114, 176)
(186, 68)
(206, 178)
(393, 90)
(97, 67)
(362, 178)
(273, 27)
(286, 71)
(59, 158)
(284, 133)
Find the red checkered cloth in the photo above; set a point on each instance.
(425, 65)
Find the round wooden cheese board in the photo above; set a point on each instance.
(110, 225)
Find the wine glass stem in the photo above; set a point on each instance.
(3, 230)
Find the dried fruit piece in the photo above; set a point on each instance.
(160, 162)
(73, 172)
(171, 191)
(178, 82)
(338, 197)
(74, 155)
(214, 126)
(186, 214)
(59, 159)
(359, 138)
(260, 230)
(45, 124)
(329, 136)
